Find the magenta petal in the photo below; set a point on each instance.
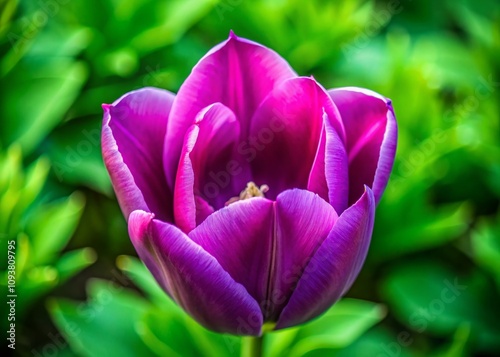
(371, 132)
(193, 278)
(303, 221)
(240, 237)
(265, 245)
(285, 134)
(132, 142)
(334, 266)
(203, 181)
(317, 177)
(237, 73)
(329, 176)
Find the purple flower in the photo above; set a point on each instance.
(250, 195)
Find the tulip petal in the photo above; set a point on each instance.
(132, 143)
(329, 176)
(206, 174)
(334, 266)
(240, 237)
(285, 134)
(303, 221)
(264, 245)
(371, 133)
(317, 177)
(193, 278)
(237, 73)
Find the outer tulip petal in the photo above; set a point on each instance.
(237, 73)
(203, 181)
(132, 141)
(285, 134)
(193, 278)
(334, 266)
(371, 132)
(240, 237)
(303, 221)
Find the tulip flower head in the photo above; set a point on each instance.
(250, 195)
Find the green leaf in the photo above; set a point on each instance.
(177, 17)
(28, 187)
(426, 230)
(20, 45)
(73, 262)
(51, 226)
(379, 342)
(10, 167)
(345, 322)
(480, 27)
(165, 331)
(50, 89)
(276, 343)
(11, 181)
(105, 324)
(36, 282)
(485, 240)
(36, 176)
(23, 254)
(428, 297)
(166, 334)
(168, 327)
(7, 11)
(142, 277)
(458, 346)
(53, 43)
(75, 152)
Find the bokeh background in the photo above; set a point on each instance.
(431, 283)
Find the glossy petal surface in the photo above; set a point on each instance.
(206, 175)
(132, 141)
(264, 245)
(371, 133)
(285, 134)
(303, 221)
(237, 73)
(193, 278)
(240, 237)
(334, 265)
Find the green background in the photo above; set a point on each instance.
(431, 283)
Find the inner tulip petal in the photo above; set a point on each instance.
(329, 176)
(285, 134)
(371, 133)
(237, 73)
(207, 175)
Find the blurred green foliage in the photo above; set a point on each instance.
(431, 284)
(38, 229)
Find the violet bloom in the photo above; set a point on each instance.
(250, 195)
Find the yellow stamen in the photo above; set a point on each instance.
(252, 190)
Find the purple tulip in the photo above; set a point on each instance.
(250, 195)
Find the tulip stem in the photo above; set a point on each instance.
(252, 346)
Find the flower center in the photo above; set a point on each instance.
(252, 190)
